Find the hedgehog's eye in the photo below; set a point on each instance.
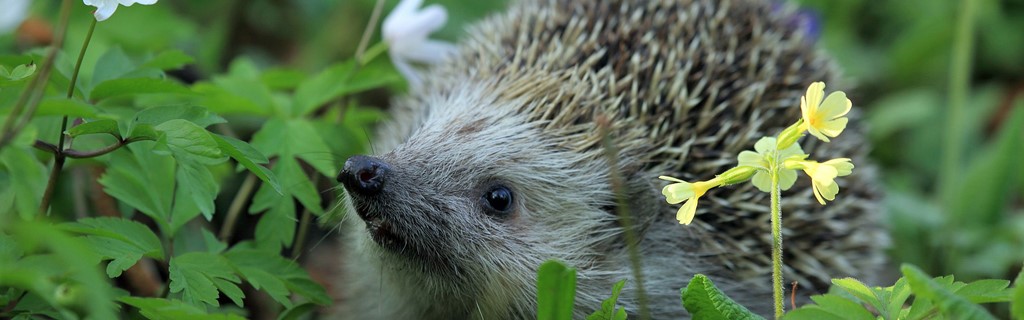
(498, 200)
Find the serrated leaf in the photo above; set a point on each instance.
(248, 157)
(704, 301)
(276, 228)
(200, 116)
(143, 180)
(296, 138)
(123, 241)
(169, 60)
(275, 275)
(986, 291)
(950, 304)
(194, 274)
(213, 245)
(195, 180)
(188, 141)
(53, 106)
(859, 290)
(95, 127)
(556, 291)
(165, 309)
(608, 309)
(132, 86)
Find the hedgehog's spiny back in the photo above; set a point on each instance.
(689, 84)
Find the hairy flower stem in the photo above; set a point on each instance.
(59, 156)
(776, 220)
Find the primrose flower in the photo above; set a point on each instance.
(12, 13)
(106, 8)
(765, 149)
(406, 29)
(684, 191)
(826, 118)
(823, 175)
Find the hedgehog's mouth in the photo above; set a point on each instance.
(382, 232)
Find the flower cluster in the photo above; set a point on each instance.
(781, 157)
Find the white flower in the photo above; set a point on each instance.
(12, 13)
(106, 8)
(406, 29)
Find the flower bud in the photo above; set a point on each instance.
(736, 175)
(789, 136)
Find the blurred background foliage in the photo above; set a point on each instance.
(896, 54)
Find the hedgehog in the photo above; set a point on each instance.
(495, 165)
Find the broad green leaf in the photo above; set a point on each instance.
(1017, 297)
(337, 81)
(188, 141)
(282, 79)
(53, 106)
(704, 301)
(951, 305)
(166, 309)
(608, 309)
(27, 178)
(296, 312)
(123, 241)
(131, 86)
(112, 64)
(986, 291)
(143, 180)
(95, 127)
(169, 60)
(186, 205)
(296, 138)
(248, 157)
(276, 228)
(556, 291)
(197, 276)
(157, 115)
(861, 291)
(270, 272)
(16, 74)
(198, 183)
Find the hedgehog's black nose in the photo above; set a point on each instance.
(364, 175)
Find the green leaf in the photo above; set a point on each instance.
(296, 138)
(196, 181)
(166, 309)
(248, 157)
(188, 141)
(53, 106)
(898, 295)
(556, 291)
(276, 228)
(213, 245)
(17, 74)
(608, 309)
(169, 60)
(143, 180)
(275, 275)
(27, 180)
(704, 301)
(337, 81)
(861, 291)
(95, 127)
(143, 132)
(112, 64)
(986, 291)
(198, 275)
(833, 306)
(158, 115)
(951, 305)
(131, 86)
(1017, 297)
(296, 312)
(123, 241)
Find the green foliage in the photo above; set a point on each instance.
(121, 240)
(942, 296)
(704, 301)
(556, 291)
(609, 310)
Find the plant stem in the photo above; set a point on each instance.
(304, 222)
(60, 157)
(776, 221)
(30, 97)
(241, 197)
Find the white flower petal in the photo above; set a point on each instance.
(406, 70)
(104, 11)
(430, 52)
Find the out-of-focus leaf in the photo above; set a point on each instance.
(169, 60)
(158, 115)
(200, 275)
(130, 86)
(556, 291)
(112, 65)
(985, 291)
(337, 81)
(187, 140)
(27, 180)
(951, 305)
(1017, 297)
(94, 127)
(296, 312)
(65, 107)
(167, 309)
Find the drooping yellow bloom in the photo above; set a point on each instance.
(824, 119)
(823, 175)
(689, 192)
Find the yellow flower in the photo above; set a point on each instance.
(823, 175)
(824, 119)
(684, 191)
(765, 149)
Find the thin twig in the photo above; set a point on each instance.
(370, 27)
(304, 222)
(241, 198)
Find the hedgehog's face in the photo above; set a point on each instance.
(471, 195)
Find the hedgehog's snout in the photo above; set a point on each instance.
(364, 175)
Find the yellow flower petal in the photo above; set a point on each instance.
(833, 128)
(677, 192)
(836, 105)
(843, 166)
(687, 211)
